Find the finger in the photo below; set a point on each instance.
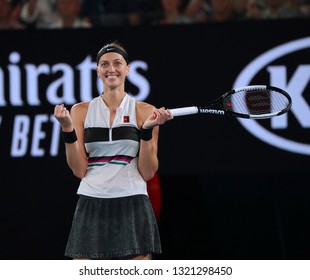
(170, 115)
(160, 112)
(60, 111)
(58, 108)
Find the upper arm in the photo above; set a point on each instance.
(143, 110)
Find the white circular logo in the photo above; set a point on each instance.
(295, 87)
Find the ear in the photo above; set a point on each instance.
(127, 70)
(97, 70)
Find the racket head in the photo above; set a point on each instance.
(256, 102)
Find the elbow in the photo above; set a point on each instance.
(147, 172)
(148, 175)
(78, 171)
(78, 174)
(148, 178)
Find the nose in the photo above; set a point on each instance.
(111, 68)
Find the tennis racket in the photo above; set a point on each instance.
(250, 102)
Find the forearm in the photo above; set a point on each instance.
(72, 130)
(75, 159)
(151, 119)
(148, 160)
(76, 156)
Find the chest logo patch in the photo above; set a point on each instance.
(126, 119)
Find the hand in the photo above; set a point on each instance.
(64, 118)
(159, 117)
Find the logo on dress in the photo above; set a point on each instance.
(126, 119)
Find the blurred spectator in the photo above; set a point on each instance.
(144, 10)
(172, 12)
(281, 9)
(39, 13)
(117, 12)
(198, 10)
(223, 10)
(273, 9)
(255, 9)
(17, 14)
(240, 7)
(304, 6)
(69, 15)
(9, 15)
(103, 12)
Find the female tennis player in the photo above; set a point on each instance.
(111, 145)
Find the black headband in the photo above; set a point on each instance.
(112, 49)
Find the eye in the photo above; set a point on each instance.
(104, 64)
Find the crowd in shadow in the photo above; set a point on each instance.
(51, 14)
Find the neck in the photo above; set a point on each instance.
(113, 101)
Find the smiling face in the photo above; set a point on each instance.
(112, 69)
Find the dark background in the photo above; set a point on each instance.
(226, 194)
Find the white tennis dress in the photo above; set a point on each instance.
(112, 164)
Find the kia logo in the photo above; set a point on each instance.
(294, 83)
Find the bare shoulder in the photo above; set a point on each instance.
(79, 110)
(143, 106)
(144, 110)
(79, 107)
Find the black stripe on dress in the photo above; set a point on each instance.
(101, 134)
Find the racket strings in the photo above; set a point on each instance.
(256, 102)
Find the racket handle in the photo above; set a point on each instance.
(184, 111)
